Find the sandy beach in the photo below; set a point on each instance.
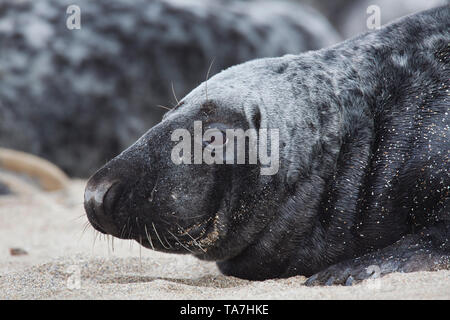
(47, 252)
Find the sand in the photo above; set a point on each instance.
(58, 259)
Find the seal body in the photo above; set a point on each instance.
(77, 97)
(363, 179)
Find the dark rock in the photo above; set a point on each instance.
(17, 252)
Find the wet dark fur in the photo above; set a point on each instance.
(364, 175)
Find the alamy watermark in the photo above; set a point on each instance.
(227, 146)
(74, 279)
(373, 21)
(373, 282)
(73, 21)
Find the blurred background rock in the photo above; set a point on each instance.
(3, 189)
(349, 17)
(79, 97)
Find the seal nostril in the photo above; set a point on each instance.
(91, 212)
(110, 198)
(99, 202)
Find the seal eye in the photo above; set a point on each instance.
(214, 138)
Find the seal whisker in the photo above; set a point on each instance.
(137, 223)
(180, 242)
(86, 226)
(140, 238)
(206, 81)
(107, 244)
(123, 230)
(190, 218)
(79, 217)
(130, 228)
(131, 245)
(174, 94)
(167, 242)
(195, 240)
(96, 233)
(163, 107)
(140, 252)
(154, 228)
(148, 237)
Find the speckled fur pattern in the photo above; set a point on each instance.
(79, 97)
(364, 163)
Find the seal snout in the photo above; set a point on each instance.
(100, 198)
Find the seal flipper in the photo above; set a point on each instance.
(428, 250)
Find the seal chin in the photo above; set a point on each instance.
(164, 246)
(194, 239)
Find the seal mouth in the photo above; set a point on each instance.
(183, 240)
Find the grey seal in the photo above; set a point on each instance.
(363, 182)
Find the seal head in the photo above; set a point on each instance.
(211, 210)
